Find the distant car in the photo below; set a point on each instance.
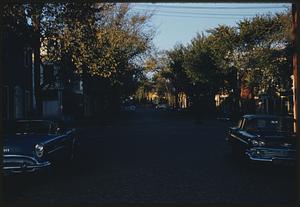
(32, 145)
(264, 138)
(130, 108)
(162, 106)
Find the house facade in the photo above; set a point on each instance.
(61, 97)
(17, 90)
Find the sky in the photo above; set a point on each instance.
(180, 22)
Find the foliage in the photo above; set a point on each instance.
(103, 39)
(109, 43)
(263, 52)
(255, 54)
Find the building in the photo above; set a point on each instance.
(17, 91)
(62, 94)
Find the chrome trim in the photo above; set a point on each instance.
(236, 137)
(28, 168)
(274, 149)
(258, 159)
(266, 159)
(272, 157)
(39, 165)
(25, 156)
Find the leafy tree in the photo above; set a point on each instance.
(223, 40)
(267, 37)
(176, 71)
(104, 41)
(263, 53)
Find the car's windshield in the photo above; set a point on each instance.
(39, 127)
(270, 124)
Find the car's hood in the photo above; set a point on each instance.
(277, 135)
(23, 143)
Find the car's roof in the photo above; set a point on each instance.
(253, 116)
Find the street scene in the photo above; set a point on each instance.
(156, 157)
(149, 103)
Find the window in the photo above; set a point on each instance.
(48, 74)
(240, 123)
(270, 124)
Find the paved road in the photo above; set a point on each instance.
(156, 157)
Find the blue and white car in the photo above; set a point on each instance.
(33, 145)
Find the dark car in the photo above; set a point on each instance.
(264, 138)
(162, 106)
(32, 145)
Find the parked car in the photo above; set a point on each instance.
(33, 145)
(162, 106)
(264, 138)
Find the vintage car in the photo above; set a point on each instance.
(264, 138)
(32, 145)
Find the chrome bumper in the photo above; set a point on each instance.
(22, 164)
(270, 154)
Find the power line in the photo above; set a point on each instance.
(197, 13)
(212, 7)
(197, 17)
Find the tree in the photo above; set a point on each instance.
(262, 52)
(176, 72)
(104, 41)
(202, 70)
(223, 40)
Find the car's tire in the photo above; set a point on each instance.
(72, 154)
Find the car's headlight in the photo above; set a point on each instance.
(39, 150)
(261, 143)
(257, 143)
(254, 142)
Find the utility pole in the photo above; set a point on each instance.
(296, 96)
(296, 42)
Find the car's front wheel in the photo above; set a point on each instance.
(72, 154)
